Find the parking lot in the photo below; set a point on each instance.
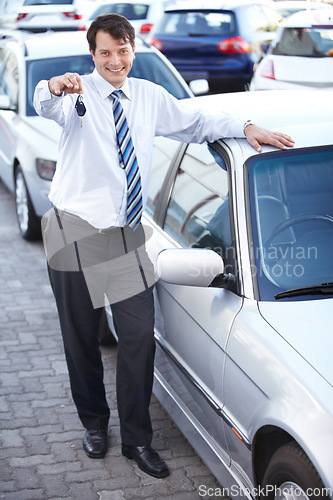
(41, 455)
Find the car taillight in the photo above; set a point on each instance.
(234, 45)
(156, 43)
(146, 28)
(73, 15)
(267, 69)
(21, 16)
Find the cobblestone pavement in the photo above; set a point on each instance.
(41, 455)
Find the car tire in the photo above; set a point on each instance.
(290, 474)
(28, 222)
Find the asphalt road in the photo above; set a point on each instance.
(41, 455)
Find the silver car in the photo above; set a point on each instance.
(29, 143)
(244, 301)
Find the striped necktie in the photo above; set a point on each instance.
(128, 161)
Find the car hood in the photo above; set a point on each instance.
(46, 128)
(307, 326)
(304, 70)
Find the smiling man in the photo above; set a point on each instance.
(99, 191)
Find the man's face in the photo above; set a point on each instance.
(113, 58)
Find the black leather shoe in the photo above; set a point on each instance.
(147, 459)
(95, 443)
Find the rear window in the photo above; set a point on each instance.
(48, 2)
(203, 23)
(305, 42)
(132, 12)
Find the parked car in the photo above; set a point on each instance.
(29, 143)
(8, 13)
(219, 44)
(300, 55)
(57, 15)
(288, 7)
(143, 14)
(244, 303)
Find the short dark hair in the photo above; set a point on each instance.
(116, 25)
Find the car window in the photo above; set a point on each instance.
(305, 42)
(9, 84)
(163, 154)
(130, 11)
(197, 23)
(292, 218)
(198, 213)
(149, 66)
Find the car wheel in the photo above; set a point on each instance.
(29, 223)
(291, 475)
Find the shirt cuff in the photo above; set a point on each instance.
(45, 93)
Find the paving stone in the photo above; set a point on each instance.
(11, 438)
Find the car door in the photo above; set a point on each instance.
(192, 324)
(9, 87)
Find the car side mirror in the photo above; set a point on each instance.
(199, 87)
(191, 267)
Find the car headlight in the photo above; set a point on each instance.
(45, 168)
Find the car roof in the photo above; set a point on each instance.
(285, 111)
(55, 44)
(215, 4)
(301, 4)
(309, 18)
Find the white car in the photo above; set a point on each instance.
(244, 304)
(57, 15)
(301, 55)
(29, 143)
(8, 12)
(143, 14)
(288, 7)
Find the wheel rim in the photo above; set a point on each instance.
(290, 491)
(22, 202)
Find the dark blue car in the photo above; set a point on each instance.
(220, 45)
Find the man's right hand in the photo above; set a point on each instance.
(69, 83)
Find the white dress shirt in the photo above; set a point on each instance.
(88, 181)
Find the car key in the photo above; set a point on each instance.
(80, 108)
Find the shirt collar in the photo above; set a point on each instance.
(105, 88)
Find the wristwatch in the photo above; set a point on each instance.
(247, 123)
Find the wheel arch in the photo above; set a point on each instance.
(16, 163)
(267, 440)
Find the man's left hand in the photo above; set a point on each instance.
(258, 135)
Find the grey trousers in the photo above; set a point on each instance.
(86, 268)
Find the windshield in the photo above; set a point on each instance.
(292, 219)
(305, 42)
(44, 69)
(147, 66)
